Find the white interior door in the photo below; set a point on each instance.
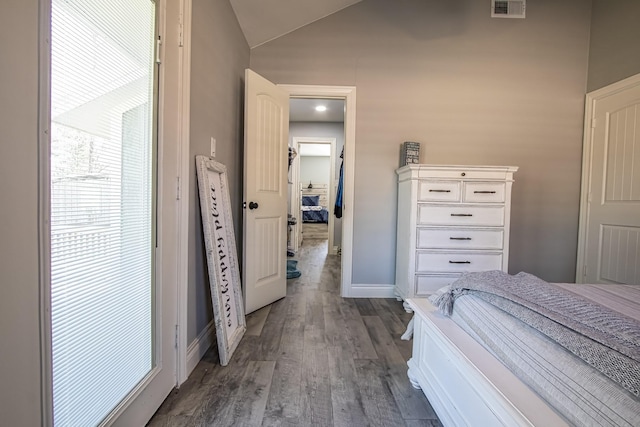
(610, 227)
(266, 133)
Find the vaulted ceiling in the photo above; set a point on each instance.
(265, 20)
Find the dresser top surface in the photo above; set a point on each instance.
(431, 167)
(456, 172)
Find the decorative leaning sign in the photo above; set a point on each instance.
(222, 262)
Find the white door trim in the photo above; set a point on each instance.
(331, 197)
(294, 200)
(587, 163)
(348, 93)
(182, 194)
(44, 209)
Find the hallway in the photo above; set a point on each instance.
(311, 358)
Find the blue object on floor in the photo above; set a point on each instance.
(292, 270)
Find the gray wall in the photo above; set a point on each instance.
(219, 56)
(315, 169)
(473, 90)
(19, 304)
(615, 35)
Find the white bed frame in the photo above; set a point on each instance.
(465, 384)
(320, 190)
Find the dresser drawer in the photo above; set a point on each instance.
(457, 261)
(484, 192)
(460, 215)
(428, 284)
(459, 238)
(439, 191)
(463, 173)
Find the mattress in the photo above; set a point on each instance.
(576, 390)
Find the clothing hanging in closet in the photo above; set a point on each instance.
(337, 210)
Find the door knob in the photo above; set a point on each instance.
(253, 205)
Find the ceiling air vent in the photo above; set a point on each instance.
(508, 9)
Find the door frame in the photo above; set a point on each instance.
(348, 94)
(587, 163)
(173, 210)
(331, 196)
(183, 181)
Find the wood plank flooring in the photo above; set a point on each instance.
(309, 359)
(315, 230)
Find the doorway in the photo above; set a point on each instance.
(313, 190)
(348, 95)
(344, 157)
(316, 137)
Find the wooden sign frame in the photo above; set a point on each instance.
(222, 261)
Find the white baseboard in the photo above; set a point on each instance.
(371, 291)
(199, 346)
(334, 250)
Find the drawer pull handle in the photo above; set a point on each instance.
(461, 214)
(459, 262)
(439, 191)
(459, 238)
(484, 192)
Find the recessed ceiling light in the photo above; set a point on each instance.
(321, 108)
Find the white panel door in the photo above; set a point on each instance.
(266, 133)
(613, 218)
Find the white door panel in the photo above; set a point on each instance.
(612, 229)
(265, 192)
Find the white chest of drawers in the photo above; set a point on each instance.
(451, 219)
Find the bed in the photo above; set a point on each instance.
(482, 366)
(313, 210)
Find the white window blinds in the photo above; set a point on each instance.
(101, 204)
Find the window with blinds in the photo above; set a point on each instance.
(102, 186)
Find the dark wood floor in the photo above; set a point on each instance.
(310, 359)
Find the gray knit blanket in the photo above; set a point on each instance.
(603, 338)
